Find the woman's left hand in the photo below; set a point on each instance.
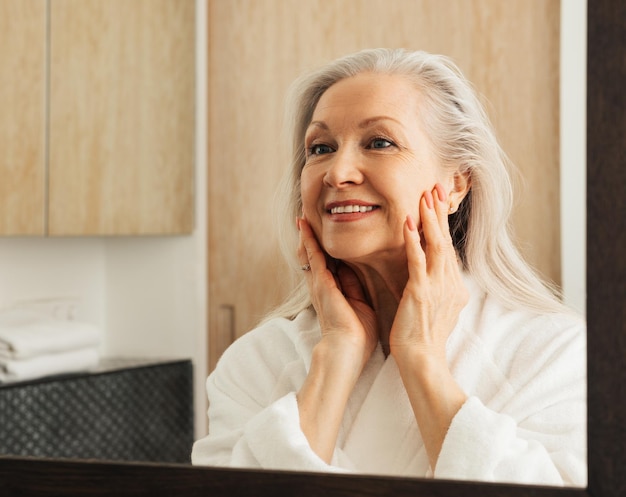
(434, 294)
(428, 311)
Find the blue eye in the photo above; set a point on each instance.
(320, 149)
(380, 143)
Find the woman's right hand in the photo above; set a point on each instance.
(346, 319)
(349, 336)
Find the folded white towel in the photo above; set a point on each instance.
(26, 333)
(50, 364)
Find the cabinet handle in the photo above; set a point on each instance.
(225, 327)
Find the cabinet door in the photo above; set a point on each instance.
(22, 116)
(121, 117)
(509, 50)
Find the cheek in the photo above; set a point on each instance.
(407, 198)
(309, 193)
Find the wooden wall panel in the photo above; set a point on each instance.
(22, 116)
(121, 117)
(509, 50)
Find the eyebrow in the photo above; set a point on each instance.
(373, 120)
(318, 124)
(363, 124)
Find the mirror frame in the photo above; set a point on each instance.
(606, 316)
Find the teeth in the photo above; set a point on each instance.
(348, 209)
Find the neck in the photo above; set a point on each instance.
(383, 283)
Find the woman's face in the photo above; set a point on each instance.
(368, 164)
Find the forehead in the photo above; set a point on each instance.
(368, 94)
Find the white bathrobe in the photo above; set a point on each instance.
(524, 420)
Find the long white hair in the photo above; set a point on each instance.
(463, 139)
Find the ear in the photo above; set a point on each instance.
(461, 184)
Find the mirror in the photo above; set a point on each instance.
(518, 76)
(607, 373)
(517, 72)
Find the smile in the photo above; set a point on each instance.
(349, 209)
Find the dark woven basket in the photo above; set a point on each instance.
(128, 410)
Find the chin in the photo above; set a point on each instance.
(345, 253)
(352, 254)
(366, 253)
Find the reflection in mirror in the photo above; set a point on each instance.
(458, 46)
(606, 349)
(389, 357)
(417, 343)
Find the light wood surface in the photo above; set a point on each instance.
(509, 50)
(22, 116)
(121, 117)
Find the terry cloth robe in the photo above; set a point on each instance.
(524, 420)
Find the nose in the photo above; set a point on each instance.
(343, 170)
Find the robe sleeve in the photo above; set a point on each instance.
(538, 434)
(271, 438)
(254, 420)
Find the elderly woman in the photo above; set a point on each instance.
(419, 343)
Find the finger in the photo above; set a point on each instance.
(437, 241)
(303, 258)
(313, 253)
(442, 208)
(350, 284)
(416, 257)
(323, 285)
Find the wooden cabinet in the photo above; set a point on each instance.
(107, 113)
(22, 116)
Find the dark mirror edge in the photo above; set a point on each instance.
(606, 247)
(606, 277)
(84, 478)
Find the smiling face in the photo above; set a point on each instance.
(368, 163)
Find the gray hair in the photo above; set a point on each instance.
(464, 140)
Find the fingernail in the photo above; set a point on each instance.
(410, 222)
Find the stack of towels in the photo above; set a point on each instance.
(33, 345)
